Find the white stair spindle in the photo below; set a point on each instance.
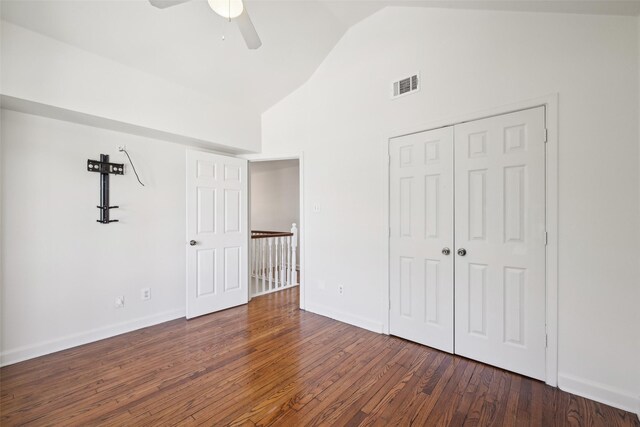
(253, 260)
(256, 257)
(288, 263)
(270, 271)
(256, 264)
(294, 245)
(283, 275)
(276, 273)
(264, 264)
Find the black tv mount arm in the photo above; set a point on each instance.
(105, 168)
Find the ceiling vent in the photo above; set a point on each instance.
(405, 86)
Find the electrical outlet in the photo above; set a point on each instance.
(119, 302)
(340, 289)
(145, 294)
(316, 208)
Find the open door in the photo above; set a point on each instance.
(217, 233)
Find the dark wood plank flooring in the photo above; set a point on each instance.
(268, 363)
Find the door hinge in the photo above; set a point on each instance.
(389, 232)
(546, 136)
(546, 238)
(546, 340)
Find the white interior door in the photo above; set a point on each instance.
(500, 223)
(217, 233)
(421, 221)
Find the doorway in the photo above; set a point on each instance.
(468, 239)
(275, 223)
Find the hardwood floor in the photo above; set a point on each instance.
(268, 363)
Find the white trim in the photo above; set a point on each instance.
(301, 227)
(551, 104)
(360, 322)
(29, 352)
(552, 116)
(386, 298)
(599, 392)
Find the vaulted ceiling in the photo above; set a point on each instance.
(189, 44)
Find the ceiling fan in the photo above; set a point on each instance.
(229, 9)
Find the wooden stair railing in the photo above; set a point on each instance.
(273, 261)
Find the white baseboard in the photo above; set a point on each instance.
(340, 316)
(602, 393)
(20, 354)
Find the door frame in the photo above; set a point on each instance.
(551, 104)
(254, 158)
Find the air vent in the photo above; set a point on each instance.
(405, 86)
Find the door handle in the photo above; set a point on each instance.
(462, 251)
(192, 242)
(446, 251)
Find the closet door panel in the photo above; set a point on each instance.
(421, 221)
(500, 241)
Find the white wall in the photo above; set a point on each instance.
(40, 69)
(275, 194)
(472, 61)
(62, 269)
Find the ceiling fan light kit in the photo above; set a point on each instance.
(228, 9)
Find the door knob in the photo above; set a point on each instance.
(446, 251)
(192, 242)
(462, 251)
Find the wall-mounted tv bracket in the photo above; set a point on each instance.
(105, 168)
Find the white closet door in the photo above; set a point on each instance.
(217, 233)
(421, 216)
(500, 223)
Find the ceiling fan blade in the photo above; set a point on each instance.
(248, 31)
(163, 4)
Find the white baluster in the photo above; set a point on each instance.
(283, 278)
(289, 268)
(264, 264)
(278, 259)
(253, 260)
(276, 273)
(282, 256)
(256, 263)
(283, 273)
(269, 271)
(294, 245)
(288, 263)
